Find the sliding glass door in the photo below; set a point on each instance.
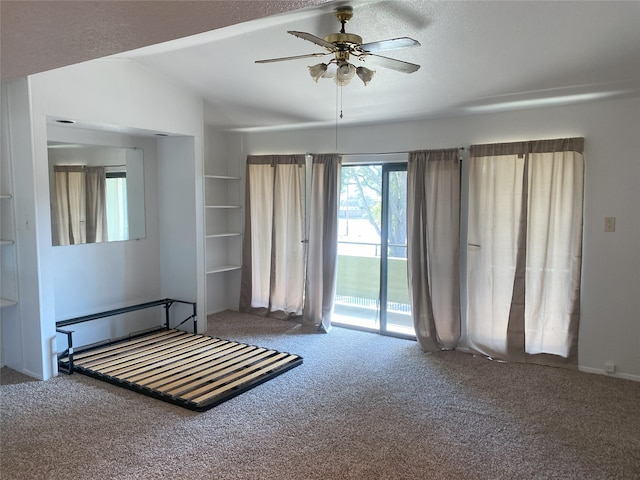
(372, 291)
(395, 314)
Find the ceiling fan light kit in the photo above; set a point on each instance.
(318, 71)
(365, 74)
(344, 74)
(342, 45)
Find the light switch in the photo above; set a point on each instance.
(609, 224)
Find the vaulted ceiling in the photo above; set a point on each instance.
(475, 56)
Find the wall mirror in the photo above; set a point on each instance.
(97, 193)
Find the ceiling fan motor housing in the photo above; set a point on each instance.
(344, 43)
(344, 39)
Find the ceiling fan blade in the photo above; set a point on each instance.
(392, 63)
(391, 44)
(313, 39)
(296, 57)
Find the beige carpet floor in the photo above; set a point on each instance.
(361, 406)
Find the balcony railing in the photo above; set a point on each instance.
(358, 287)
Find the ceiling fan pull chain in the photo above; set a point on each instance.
(336, 118)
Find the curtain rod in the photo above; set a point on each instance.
(386, 153)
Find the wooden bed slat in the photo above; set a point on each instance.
(258, 371)
(232, 376)
(158, 368)
(187, 383)
(193, 371)
(80, 355)
(88, 358)
(135, 360)
(106, 364)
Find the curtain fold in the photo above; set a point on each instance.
(80, 204)
(524, 250)
(60, 208)
(554, 253)
(273, 244)
(96, 216)
(495, 223)
(322, 256)
(71, 204)
(433, 236)
(288, 235)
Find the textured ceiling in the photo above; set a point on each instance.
(474, 56)
(42, 35)
(478, 56)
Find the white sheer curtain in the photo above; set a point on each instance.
(494, 224)
(433, 238)
(525, 250)
(322, 257)
(274, 248)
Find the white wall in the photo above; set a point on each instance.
(124, 94)
(181, 226)
(610, 305)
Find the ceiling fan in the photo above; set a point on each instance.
(344, 45)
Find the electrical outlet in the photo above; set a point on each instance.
(609, 224)
(609, 367)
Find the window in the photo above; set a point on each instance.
(116, 206)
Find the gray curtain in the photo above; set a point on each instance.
(524, 252)
(322, 256)
(80, 205)
(96, 204)
(273, 244)
(433, 238)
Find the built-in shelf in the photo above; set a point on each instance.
(220, 235)
(223, 268)
(223, 239)
(10, 258)
(221, 177)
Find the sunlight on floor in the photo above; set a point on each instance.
(368, 319)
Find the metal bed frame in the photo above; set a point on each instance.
(191, 370)
(166, 302)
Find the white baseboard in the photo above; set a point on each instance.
(599, 371)
(23, 371)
